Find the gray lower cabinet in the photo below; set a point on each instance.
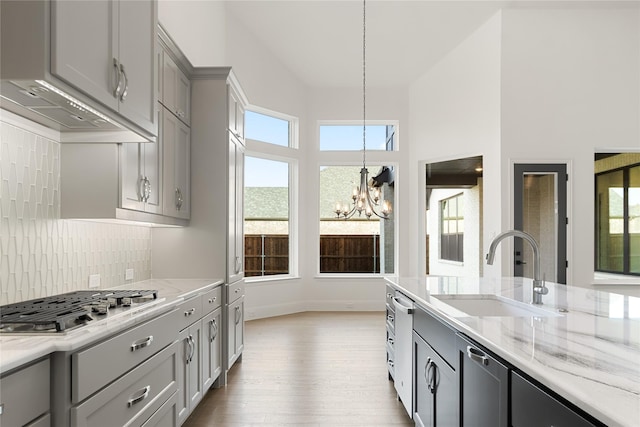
(484, 386)
(435, 387)
(212, 348)
(527, 400)
(135, 397)
(24, 396)
(235, 331)
(190, 390)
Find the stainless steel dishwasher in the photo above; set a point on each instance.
(403, 350)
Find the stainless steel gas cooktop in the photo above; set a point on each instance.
(65, 312)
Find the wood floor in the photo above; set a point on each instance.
(308, 369)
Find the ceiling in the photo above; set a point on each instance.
(458, 173)
(321, 41)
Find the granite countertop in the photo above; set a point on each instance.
(587, 350)
(17, 350)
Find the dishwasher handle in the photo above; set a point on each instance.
(401, 307)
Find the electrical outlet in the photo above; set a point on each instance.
(128, 274)
(94, 280)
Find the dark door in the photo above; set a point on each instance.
(540, 209)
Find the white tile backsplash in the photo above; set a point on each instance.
(41, 254)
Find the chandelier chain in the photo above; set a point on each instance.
(364, 83)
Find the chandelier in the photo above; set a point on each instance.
(365, 198)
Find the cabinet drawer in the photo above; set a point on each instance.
(132, 399)
(235, 290)
(97, 366)
(439, 336)
(526, 401)
(24, 394)
(189, 311)
(211, 300)
(166, 416)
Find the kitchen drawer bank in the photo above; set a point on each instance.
(564, 359)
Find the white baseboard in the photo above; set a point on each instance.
(261, 312)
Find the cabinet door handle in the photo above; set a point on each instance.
(401, 307)
(126, 83)
(147, 189)
(142, 343)
(426, 374)
(238, 315)
(187, 350)
(139, 396)
(238, 265)
(141, 188)
(213, 325)
(1, 408)
(179, 199)
(192, 348)
(116, 91)
(189, 312)
(432, 376)
(477, 356)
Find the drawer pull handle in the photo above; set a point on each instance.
(1, 408)
(212, 300)
(141, 395)
(236, 291)
(144, 342)
(477, 356)
(189, 312)
(390, 340)
(401, 307)
(390, 318)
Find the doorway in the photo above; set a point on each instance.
(540, 209)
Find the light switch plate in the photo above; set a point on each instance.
(128, 274)
(94, 280)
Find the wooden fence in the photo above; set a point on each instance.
(268, 254)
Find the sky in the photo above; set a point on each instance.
(269, 173)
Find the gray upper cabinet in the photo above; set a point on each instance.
(235, 242)
(176, 89)
(176, 138)
(107, 50)
(236, 113)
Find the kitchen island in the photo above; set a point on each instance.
(585, 345)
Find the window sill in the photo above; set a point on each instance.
(257, 280)
(354, 276)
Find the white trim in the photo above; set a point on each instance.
(18, 121)
(253, 281)
(294, 124)
(394, 123)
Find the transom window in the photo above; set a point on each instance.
(334, 137)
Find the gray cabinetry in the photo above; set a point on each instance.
(484, 386)
(435, 379)
(235, 242)
(133, 398)
(176, 89)
(235, 331)
(532, 406)
(24, 396)
(107, 50)
(141, 176)
(176, 139)
(212, 348)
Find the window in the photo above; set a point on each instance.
(618, 220)
(268, 194)
(266, 128)
(349, 137)
(357, 245)
(452, 228)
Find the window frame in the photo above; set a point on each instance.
(459, 251)
(289, 155)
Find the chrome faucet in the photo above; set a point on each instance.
(539, 288)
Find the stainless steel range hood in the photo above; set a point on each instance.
(28, 87)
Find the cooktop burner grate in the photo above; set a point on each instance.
(64, 311)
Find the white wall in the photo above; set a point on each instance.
(570, 86)
(198, 28)
(470, 267)
(454, 112)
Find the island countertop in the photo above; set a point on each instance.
(587, 351)
(17, 350)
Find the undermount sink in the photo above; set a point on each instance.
(493, 305)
